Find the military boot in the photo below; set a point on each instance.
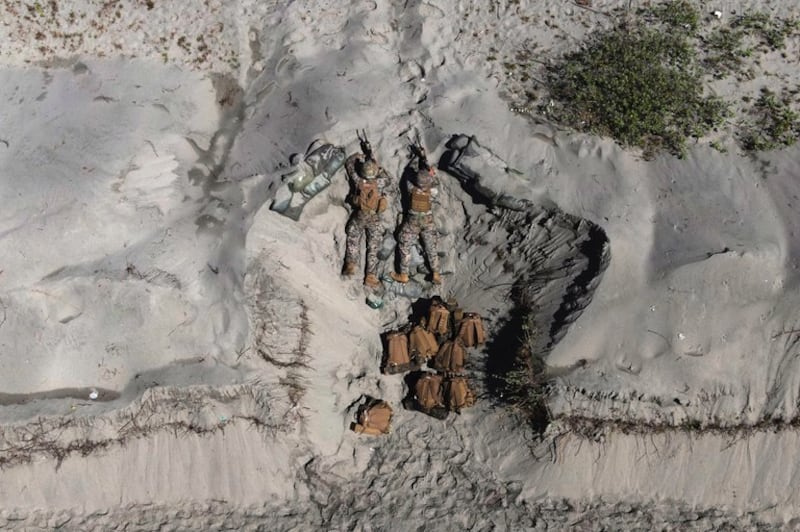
(436, 278)
(372, 281)
(349, 268)
(400, 277)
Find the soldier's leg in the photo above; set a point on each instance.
(374, 232)
(352, 250)
(409, 233)
(430, 240)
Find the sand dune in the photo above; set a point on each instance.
(176, 355)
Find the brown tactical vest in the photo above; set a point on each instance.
(397, 355)
(420, 200)
(369, 197)
(422, 343)
(439, 320)
(458, 394)
(471, 331)
(429, 391)
(451, 357)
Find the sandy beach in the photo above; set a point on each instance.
(177, 355)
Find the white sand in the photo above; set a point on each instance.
(139, 258)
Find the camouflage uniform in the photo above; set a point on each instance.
(363, 221)
(418, 224)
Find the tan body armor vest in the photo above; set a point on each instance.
(420, 200)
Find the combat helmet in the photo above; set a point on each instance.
(424, 177)
(368, 169)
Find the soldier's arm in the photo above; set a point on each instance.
(384, 181)
(350, 165)
(435, 190)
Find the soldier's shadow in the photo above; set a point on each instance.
(409, 401)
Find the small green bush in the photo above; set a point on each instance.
(725, 51)
(637, 85)
(676, 14)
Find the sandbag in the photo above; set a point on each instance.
(451, 357)
(374, 418)
(428, 392)
(471, 331)
(439, 319)
(397, 356)
(457, 394)
(422, 344)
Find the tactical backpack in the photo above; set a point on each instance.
(451, 357)
(458, 394)
(422, 344)
(374, 418)
(428, 395)
(397, 357)
(439, 319)
(369, 198)
(471, 331)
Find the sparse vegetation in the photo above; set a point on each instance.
(775, 124)
(523, 387)
(772, 31)
(725, 52)
(643, 82)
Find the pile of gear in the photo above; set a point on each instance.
(434, 350)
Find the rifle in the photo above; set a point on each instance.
(418, 151)
(366, 147)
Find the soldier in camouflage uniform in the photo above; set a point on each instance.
(369, 183)
(418, 223)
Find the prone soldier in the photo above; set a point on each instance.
(418, 219)
(369, 183)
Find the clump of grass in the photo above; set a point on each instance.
(771, 30)
(725, 51)
(523, 387)
(638, 85)
(676, 14)
(775, 124)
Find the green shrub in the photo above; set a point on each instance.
(637, 85)
(676, 14)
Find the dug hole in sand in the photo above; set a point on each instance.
(141, 261)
